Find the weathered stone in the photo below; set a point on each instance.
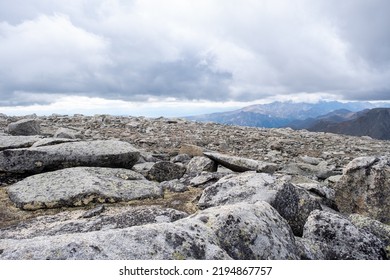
(250, 231)
(292, 203)
(165, 171)
(205, 179)
(108, 153)
(239, 164)
(364, 188)
(52, 141)
(173, 186)
(310, 250)
(24, 127)
(311, 160)
(295, 205)
(183, 158)
(238, 231)
(98, 218)
(81, 186)
(324, 195)
(153, 241)
(14, 142)
(320, 171)
(375, 227)
(340, 239)
(66, 133)
(143, 168)
(248, 187)
(199, 164)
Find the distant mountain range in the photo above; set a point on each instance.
(371, 122)
(352, 118)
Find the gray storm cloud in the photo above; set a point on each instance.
(210, 50)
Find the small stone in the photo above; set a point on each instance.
(165, 171)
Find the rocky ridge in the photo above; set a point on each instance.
(91, 187)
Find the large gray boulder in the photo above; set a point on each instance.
(98, 218)
(340, 239)
(148, 242)
(199, 164)
(101, 153)
(80, 186)
(240, 231)
(294, 204)
(364, 188)
(14, 142)
(240, 164)
(25, 127)
(248, 187)
(250, 231)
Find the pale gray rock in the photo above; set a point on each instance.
(165, 171)
(320, 171)
(248, 187)
(240, 164)
(98, 218)
(14, 142)
(182, 158)
(66, 133)
(293, 204)
(310, 250)
(205, 179)
(108, 153)
(250, 231)
(173, 186)
(332, 180)
(323, 194)
(199, 164)
(52, 141)
(80, 186)
(380, 230)
(364, 188)
(340, 239)
(240, 231)
(311, 160)
(171, 241)
(143, 168)
(24, 127)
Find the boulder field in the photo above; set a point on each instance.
(105, 187)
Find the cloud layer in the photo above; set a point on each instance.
(193, 50)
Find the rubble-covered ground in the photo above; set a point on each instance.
(88, 187)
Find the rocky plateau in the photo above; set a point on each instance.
(110, 187)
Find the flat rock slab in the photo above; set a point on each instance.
(14, 142)
(80, 186)
(101, 153)
(248, 187)
(98, 218)
(240, 164)
(238, 231)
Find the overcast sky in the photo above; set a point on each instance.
(173, 57)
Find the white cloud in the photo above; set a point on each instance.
(50, 52)
(195, 49)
